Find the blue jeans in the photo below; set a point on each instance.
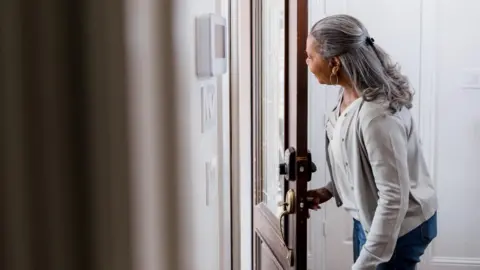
(409, 248)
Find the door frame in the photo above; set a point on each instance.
(241, 141)
(269, 229)
(296, 36)
(241, 126)
(296, 126)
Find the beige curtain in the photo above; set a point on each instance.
(66, 171)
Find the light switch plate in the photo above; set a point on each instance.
(209, 106)
(211, 187)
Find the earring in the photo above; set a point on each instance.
(333, 74)
(335, 70)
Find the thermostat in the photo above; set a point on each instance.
(211, 45)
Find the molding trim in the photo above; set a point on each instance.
(224, 183)
(427, 94)
(455, 261)
(240, 140)
(428, 98)
(235, 200)
(316, 93)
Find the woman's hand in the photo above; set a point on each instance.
(316, 197)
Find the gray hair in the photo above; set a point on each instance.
(369, 67)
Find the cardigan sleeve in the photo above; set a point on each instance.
(385, 139)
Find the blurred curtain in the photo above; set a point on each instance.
(64, 155)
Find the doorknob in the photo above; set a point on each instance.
(289, 208)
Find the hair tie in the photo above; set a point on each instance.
(370, 41)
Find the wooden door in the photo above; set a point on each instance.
(282, 164)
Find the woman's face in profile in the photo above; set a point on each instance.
(316, 63)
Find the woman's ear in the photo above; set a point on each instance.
(336, 61)
(334, 64)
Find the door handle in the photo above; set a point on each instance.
(288, 208)
(289, 203)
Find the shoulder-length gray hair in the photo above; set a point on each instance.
(369, 67)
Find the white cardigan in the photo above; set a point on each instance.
(393, 188)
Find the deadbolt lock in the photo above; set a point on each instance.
(287, 169)
(293, 164)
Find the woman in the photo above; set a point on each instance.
(374, 155)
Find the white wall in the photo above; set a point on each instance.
(457, 135)
(201, 241)
(437, 44)
(204, 238)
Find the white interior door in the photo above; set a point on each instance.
(455, 135)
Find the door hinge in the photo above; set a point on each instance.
(324, 228)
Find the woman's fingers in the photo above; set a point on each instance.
(314, 208)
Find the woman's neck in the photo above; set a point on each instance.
(349, 95)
